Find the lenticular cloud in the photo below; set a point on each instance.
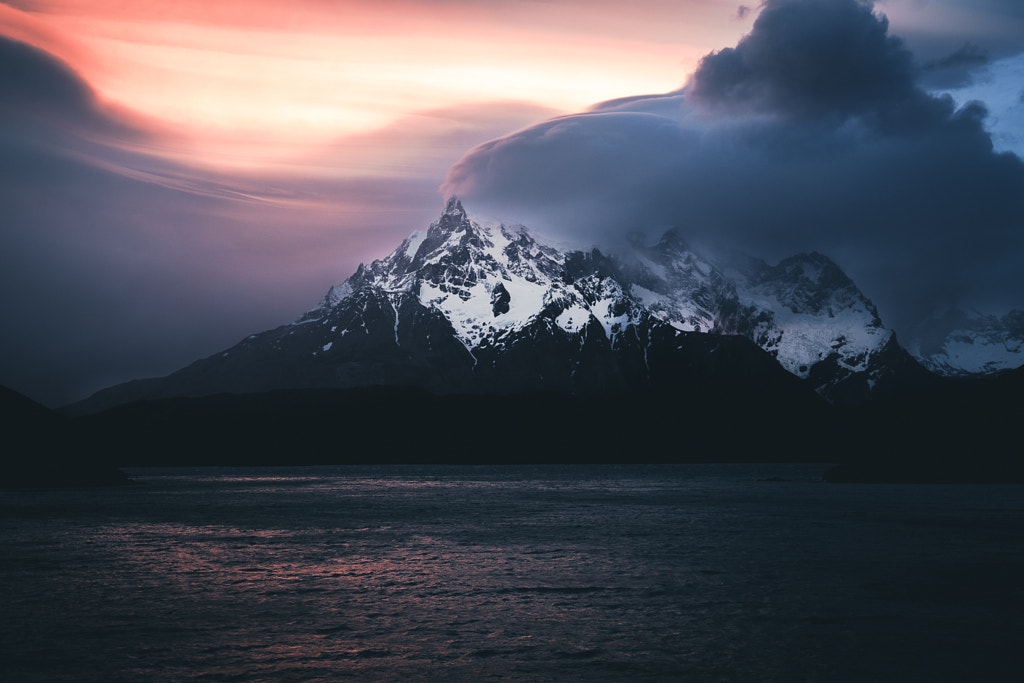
(812, 133)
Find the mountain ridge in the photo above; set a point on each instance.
(960, 343)
(484, 307)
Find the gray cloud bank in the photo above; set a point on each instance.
(812, 133)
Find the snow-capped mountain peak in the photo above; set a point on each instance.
(487, 280)
(491, 282)
(474, 306)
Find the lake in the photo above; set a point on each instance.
(598, 573)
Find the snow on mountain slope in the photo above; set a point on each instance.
(679, 286)
(805, 311)
(487, 280)
(491, 281)
(811, 312)
(959, 343)
(478, 307)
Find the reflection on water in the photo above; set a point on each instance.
(537, 573)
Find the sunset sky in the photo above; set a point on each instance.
(175, 175)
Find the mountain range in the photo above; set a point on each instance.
(960, 343)
(476, 342)
(470, 306)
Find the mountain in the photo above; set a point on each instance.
(477, 307)
(44, 449)
(700, 422)
(805, 312)
(957, 343)
(962, 430)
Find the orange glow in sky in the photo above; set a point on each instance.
(241, 80)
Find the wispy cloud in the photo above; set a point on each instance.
(119, 258)
(175, 174)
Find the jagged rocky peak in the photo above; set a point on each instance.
(673, 241)
(675, 258)
(336, 294)
(470, 305)
(453, 207)
(810, 283)
(815, 269)
(581, 264)
(677, 284)
(453, 220)
(453, 242)
(492, 283)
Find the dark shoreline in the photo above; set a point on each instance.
(964, 431)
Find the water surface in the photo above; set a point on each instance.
(690, 572)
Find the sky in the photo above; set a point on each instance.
(177, 174)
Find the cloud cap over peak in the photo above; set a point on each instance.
(812, 134)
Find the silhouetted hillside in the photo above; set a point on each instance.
(44, 449)
(959, 430)
(698, 423)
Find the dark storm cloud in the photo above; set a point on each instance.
(809, 58)
(811, 134)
